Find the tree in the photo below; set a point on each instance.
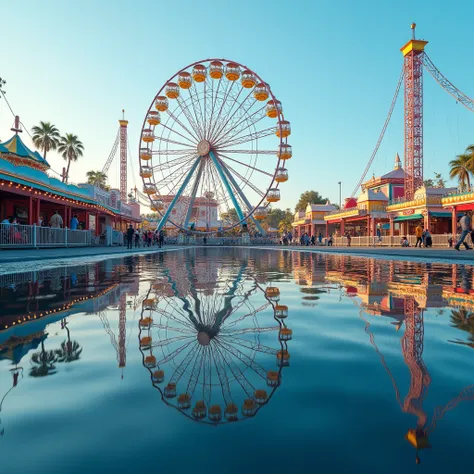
(285, 223)
(274, 217)
(230, 217)
(43, 363)
(45, 137)
(309, 197)
(437, 182)
(2, 83)
(97, 178)
(461, 168)
(463, 319)
(71, 148)
(70, 351)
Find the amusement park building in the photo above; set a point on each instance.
(204, 214)
(382, 205)
(30, 195)
(311, 220)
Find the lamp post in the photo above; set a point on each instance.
(340, 195)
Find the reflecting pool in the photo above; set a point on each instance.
(237, 360)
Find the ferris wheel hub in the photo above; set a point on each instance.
(203, 148)
(203, 338)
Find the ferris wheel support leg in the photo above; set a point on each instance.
(246, 201)
(193, 195)
(227, 185)
(178, 195)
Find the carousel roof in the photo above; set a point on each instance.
(16, 146)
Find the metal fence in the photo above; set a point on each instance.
(438, 240)
(33, 236)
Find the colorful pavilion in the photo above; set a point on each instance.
(362, 216)
(30, 195)
(311, 220)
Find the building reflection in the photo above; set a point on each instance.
(403, 291)
(214, 338)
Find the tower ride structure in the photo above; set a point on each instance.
(413, 117)
(414, 59)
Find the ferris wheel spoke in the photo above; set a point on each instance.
(249, 362)
(174, 142)
(172, 328)
(195, 371)
(171, 340)
(229, 113)
(175, 162)
(241, 107)
(242, 123)
(248, 315)
(167, 181)
(254, 346)
(199, 117)
(249, 137)
(184, 108)
(173, 152)
(217, 185)
(173, 354)
(221, 374)
(249, 122)
(185, 363)
(229, 169)
(228, 88)
(248, 152)
(182, 321)
(207, 377)
(245, 164)
(176, 119)
(172, 130)
(254, 330)
(236, 371)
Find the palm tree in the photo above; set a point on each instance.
(461, 168)
(44, 363)
(70, 351)
(71, 149)
(45, 137)
(463, 319)
(97, 178)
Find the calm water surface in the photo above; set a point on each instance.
(232, 361)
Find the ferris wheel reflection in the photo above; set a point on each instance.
(215, 346)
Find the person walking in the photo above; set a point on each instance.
(320, 238)
(419, 235)
(348, 235)
(466, 226)
(130, 233)
(313, 240)
(137, 238)
(161, 238)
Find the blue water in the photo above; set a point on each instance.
(378, 348)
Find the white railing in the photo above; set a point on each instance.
(33, 236)
(438, 240)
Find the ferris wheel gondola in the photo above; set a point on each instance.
(206, 147)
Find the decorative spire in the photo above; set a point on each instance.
(16, 125)
(398, 163)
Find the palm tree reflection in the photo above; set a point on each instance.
(463, 319)
(43, 362)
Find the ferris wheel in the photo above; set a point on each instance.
(215, 356)
(214, 144)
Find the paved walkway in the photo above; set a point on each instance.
(431, 254)
(29, 255)
(434, 254)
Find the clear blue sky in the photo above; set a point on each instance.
(333, 64)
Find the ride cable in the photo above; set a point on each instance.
(382, 133)
(447, 85)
